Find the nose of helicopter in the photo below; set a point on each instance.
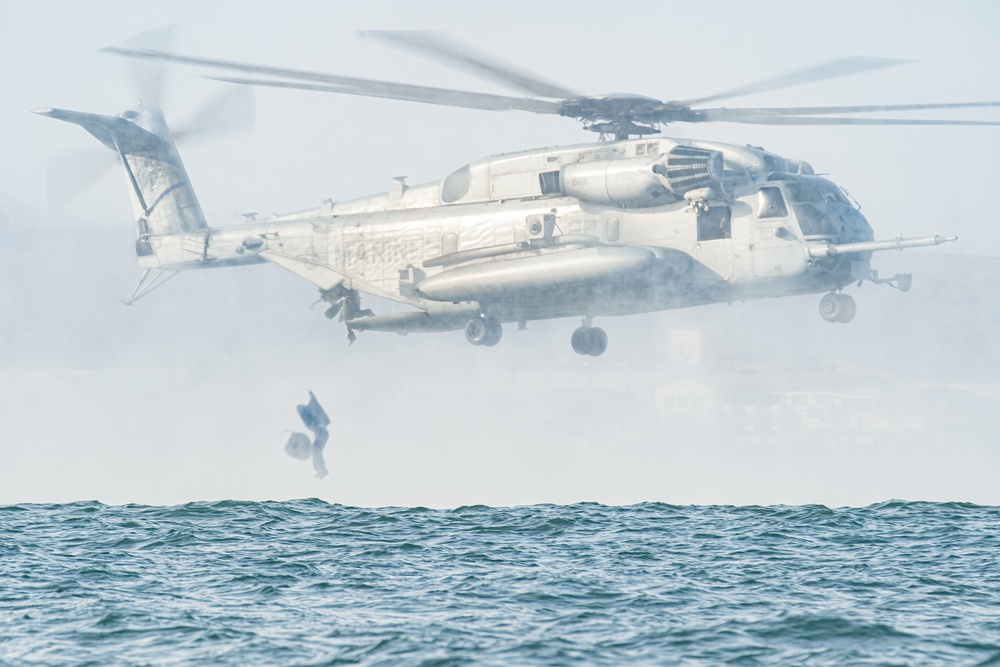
(853, 226)
(840, 222)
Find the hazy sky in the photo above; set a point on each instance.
(309, 146)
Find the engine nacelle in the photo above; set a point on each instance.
(645, 181)
(619, 182)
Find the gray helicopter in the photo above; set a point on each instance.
(632, 223)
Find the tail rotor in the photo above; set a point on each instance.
(233, 110)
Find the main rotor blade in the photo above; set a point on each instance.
(349, 85)
(828, 70)
(440, 46)
(813, 120)
(410, 93)
(233, 65)
(808, 111)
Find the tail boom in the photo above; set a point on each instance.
(170, 225)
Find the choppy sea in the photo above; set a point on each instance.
(309, 583)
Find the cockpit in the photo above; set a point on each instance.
(821, 207)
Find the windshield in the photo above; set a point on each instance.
(815, 190)
(831, 191)
(803, 192)
(809, 196)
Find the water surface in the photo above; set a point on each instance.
(309, 583)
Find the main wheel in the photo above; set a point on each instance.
(848, 309)
(581, 340)
(598, 342)
(830, 307)
(494, 331)
(476, 331)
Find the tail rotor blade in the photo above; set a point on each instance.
(148, 75)
(72, 173)
(234, 110)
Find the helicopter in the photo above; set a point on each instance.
(632, 223)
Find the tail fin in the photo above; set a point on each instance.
(163, 201)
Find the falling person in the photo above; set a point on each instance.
(298, 446)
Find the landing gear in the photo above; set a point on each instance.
(483, 331)
(848, 309)
(901, 281)
(589, 340)
(837, 308)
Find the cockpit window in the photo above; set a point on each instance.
(831, 192)
(771, 203)
(803, 192)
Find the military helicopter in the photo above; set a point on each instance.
(631, 223)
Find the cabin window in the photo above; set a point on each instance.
(771, 203)
(548, 181)
(714, 223)
(613, 229)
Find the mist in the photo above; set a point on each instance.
(190, 394)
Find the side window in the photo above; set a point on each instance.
(770, 203)
(714, 223)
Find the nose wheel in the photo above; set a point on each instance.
(837, 308)
(483, 331)
(588, 340)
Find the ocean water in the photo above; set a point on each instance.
(309, 583)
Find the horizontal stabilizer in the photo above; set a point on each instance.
(163, 202)
(114, 132)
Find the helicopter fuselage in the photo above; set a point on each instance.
(591, 230)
